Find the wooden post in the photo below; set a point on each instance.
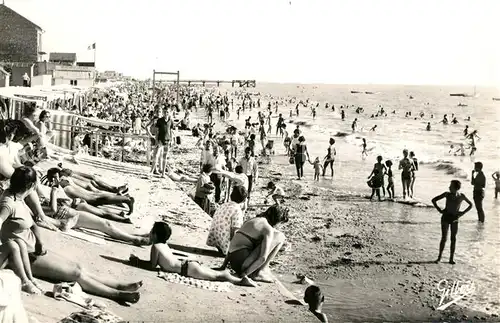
(123, 146)
(178, 85)
(148, 152)
(154, 86)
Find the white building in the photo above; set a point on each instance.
(81, 76)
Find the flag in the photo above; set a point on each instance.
(91, 47)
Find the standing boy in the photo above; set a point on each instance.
(479, 183)
(450, 215)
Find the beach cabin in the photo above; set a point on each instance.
(81, 76)
(4, 77)
(20, 38)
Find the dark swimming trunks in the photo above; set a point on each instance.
(449, 218)
(184, 266)
(237, 258)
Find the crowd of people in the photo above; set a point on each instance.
(60, 198)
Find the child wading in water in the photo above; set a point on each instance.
(450, 215)
(390, 180)
(318, 169)
(315, 299)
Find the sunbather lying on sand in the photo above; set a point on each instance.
(91, 182)
(179, 178)
(162, 256)
(49, 265)
(71, 213)
(94, 198)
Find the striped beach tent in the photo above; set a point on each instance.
(62, 126)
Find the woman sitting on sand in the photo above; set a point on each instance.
(226, 220)
(256, 243)
(93, 198)
(162, 256)
(48, 265)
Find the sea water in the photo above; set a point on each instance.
(478, 245)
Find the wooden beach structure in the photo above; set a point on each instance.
(240, 83)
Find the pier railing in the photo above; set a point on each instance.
(124, 147)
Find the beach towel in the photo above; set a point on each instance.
(193, 282)
(73, 293)
(92, 316)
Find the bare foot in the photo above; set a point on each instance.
(129, 297)
(131, 287)
(246, 281)
(452, 262)
(30, 288)
(263, 277)
(37, 285)
(437, 261)
(131, 205)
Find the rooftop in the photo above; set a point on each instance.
(4, 8)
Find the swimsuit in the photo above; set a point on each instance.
(237, 257)
(185, 265)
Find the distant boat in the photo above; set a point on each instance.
(368, 92)
(466, 95)
(462, 105)
(496, 99)
(410, 97)
(354, 92)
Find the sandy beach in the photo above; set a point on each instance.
(161, 301)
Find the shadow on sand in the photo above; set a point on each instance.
(346, 262)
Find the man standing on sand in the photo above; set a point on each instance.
(164, 140)
(249, 165)
(478, 180)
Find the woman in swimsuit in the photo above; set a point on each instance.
(406, 165)
(91, 182)
(330, 156)
(75, 213)
(256, 243)
(93, 198)
(414, 169)
(54, 267)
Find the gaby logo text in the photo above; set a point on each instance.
(453, 291)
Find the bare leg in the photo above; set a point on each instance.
(454, 231)
(112, 283)
(95, 287)
(155, 159)
(263, 273)
(198, 271)
(106, 214)
(17, 265)
(90, 221)
(442, 243)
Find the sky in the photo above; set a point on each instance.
(288, 41)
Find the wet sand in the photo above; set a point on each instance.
(350, 246)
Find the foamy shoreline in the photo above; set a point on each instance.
(322, 234)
